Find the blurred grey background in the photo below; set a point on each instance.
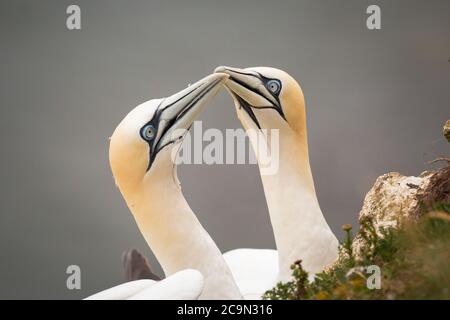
(376, 102)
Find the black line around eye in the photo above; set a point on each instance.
(268, 83)
(144, 132)
(266, 80)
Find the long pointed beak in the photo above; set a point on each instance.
(248, 85)
(248, 89)
(250, 78)
(177, 112)
(193, 98)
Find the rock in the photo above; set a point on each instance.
(446, 130)
(395, 199)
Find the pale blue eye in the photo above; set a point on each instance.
(149, 132)
(274, 86)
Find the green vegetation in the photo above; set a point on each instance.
(414, 261)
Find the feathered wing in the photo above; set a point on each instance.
(183, 285)
(122, 291)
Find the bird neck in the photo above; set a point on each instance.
(300, 229)
(175, 235)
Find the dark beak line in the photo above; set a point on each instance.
(243, 73)
(247, 106)
(189, 105)
(198, 97)
(176, 101)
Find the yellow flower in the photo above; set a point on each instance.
(321, 295)
(341, 291)
(358, 283)
(347, 227)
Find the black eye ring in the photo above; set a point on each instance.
(273, 86)
(149, 132)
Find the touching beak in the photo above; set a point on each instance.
(176, 113)
(248, 89)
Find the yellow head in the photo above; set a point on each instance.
(141, 146)
(266, 98)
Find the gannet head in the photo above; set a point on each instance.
(141, 145)
(266, 98)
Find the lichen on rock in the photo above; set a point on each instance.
(395, 198)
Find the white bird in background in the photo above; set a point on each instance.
(140, 155)
(183, 285)
(268, 98)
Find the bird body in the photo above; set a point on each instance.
(175, 235)
(142, 156)
(254, 270)
(270, 99)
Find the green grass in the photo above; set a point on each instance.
(414, 261)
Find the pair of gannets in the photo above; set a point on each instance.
(140, 158)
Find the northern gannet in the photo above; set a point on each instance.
(268, 98)
(140, 154)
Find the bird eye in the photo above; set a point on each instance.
(274, 86)
(149, 132)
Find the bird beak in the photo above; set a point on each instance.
(248, 90)
(248, 85)
(177, 112)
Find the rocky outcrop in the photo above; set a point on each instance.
(396, 198)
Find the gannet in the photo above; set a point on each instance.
(268, 98)
(140, 154)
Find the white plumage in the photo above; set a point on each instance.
(184, 285)
(270, 99)
(255, 270)
(141, 157)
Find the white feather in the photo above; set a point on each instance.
(184, 285)
(254, 270)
